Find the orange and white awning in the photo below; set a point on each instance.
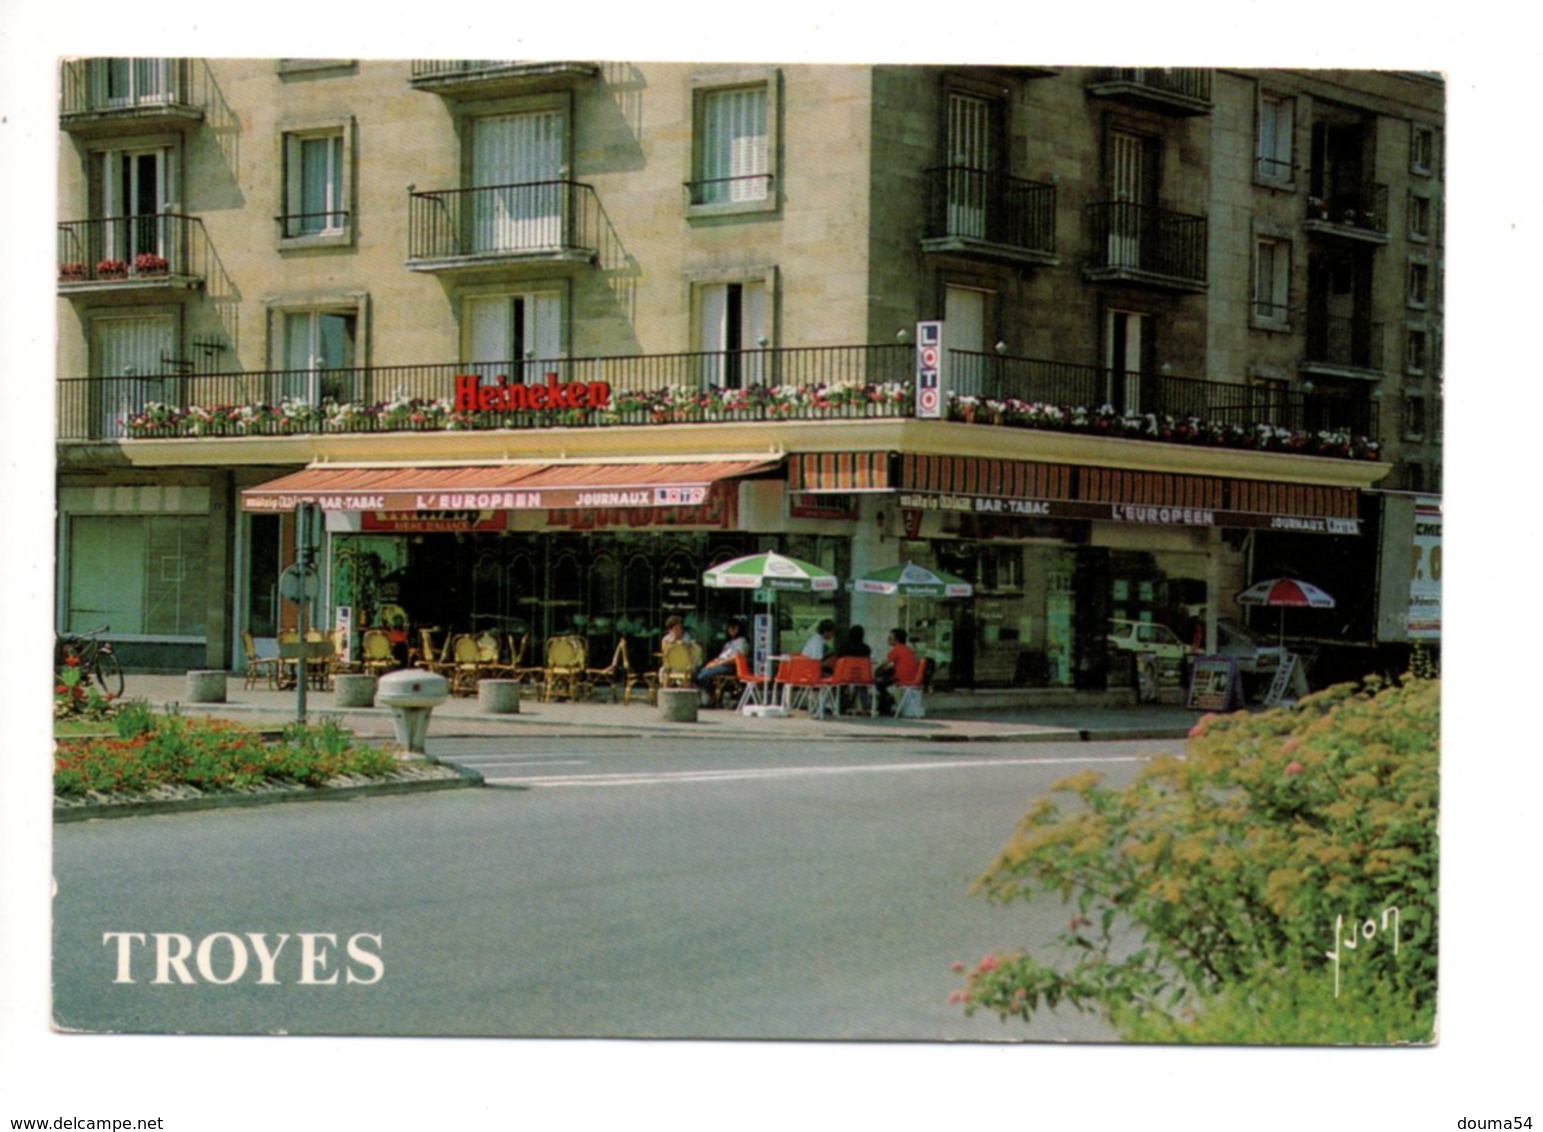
(503, 487)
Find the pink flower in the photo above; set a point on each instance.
(956, 966)
(1293, 767)
(988, 963)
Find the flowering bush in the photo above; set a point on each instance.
(75, 698)
(211, 754)
(1215, 876)
(148, 263)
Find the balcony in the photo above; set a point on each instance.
(166, 251)
(1360, 215)
(106, 97)
(1343, 347)
(831, 383)
(1137, 243)
(481, 78)
(544, 222)
(982, 213)
(1184, 91)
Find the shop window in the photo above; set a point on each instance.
(144, 575)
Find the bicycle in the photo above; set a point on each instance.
(97, 661)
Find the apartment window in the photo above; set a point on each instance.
(316, 184)
(135, 357)
(1422, 150)
(1415, 350)
(133, 82)
(1272, 275)
(317, 350)
(1419, 285)
(1414, 477)
(132, 191)
(517, 336)
(519, 195)
(733, 156)
(1414, 418)
(145, 575)
(1272, 158)
(1419, 217)
(734, 332)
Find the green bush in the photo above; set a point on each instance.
(211, 754)
(1217, 874)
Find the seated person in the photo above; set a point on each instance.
(900, 667)
(723, 663)
(854, 645)
(819, 645)
(674, 634)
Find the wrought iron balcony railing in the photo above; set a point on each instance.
(1352, 343)
(808, 383)
(1156, 242)
(985, 205)
(96, 86)
(560, 219)
(128, 249)
(474, 76)
(1184, 89)
(730, 190)
(1357, 211)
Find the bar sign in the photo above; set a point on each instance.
(929, 369)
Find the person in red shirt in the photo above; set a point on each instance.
(900, 667)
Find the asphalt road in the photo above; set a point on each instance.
(596, 888)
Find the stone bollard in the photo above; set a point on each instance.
(678, 705)
(206, 686)
(412, 694)
(499, 696)
(354, 689)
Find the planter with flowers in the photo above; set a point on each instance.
(112, 269)
(72, 272)
(148, 263)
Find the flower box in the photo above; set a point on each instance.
(148, 263)
(111, 269)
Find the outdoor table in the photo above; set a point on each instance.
(290, 652)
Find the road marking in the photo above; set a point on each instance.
(637, 778)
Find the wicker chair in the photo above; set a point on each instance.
(566, 667)
(265, 668)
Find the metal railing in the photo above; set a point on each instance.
(1154, 240)
(1353, 342)
(730, 190)
(802, 383)
(131, 248)
(1365, 210)
(295, 225)
(97, 85)
(541, 216)
(986, 205)
(1000, 378)
(1187, 82)
(450, 68)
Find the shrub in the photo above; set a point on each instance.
(1214, 874)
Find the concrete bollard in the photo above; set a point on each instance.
(678, 705)
(412, 695)
(206, 686)
(499, 696)
(354, 689)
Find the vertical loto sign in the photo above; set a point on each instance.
(929, 369)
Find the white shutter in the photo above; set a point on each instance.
(489, 336)
(755, 324)
(544, 326)
(735, 150)
(712, 329)
(515, 160)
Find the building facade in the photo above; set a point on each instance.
(547, 340)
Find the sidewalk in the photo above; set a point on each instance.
(463, 716)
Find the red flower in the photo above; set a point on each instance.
(72, 660)
(988, 963)
(1293, 767)
(60, 689)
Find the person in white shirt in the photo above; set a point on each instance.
(723, 664)
(819, 645)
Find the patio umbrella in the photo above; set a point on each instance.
(911, 580)
(769, 571)
(1283, 594)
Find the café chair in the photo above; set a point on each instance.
(566, 658)
(853, 675)
(753, 687)
(259, 667)
(804, 684)
(677, 663)
(375, 652)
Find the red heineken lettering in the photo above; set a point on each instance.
(506, 396)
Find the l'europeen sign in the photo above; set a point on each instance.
(506, 396)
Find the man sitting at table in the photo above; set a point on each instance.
(723, 663)
(819, 645)
(899, 667)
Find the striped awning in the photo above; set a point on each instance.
(503, 487)
(840, 472)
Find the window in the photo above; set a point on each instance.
(135, 82)
(1414, 417)
(1419, 285)
(135, 356)
(733, 332)
(1272, 275)
(1272, 159)
(733, 155)
(1415, 352)
(1419, 217)
(132, 193)
(316, 349)
(518, 191)
(145, 575)
(315, 184)
(1422, 150)
(512, 335)
(975, 130)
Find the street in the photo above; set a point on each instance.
(597, 887)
